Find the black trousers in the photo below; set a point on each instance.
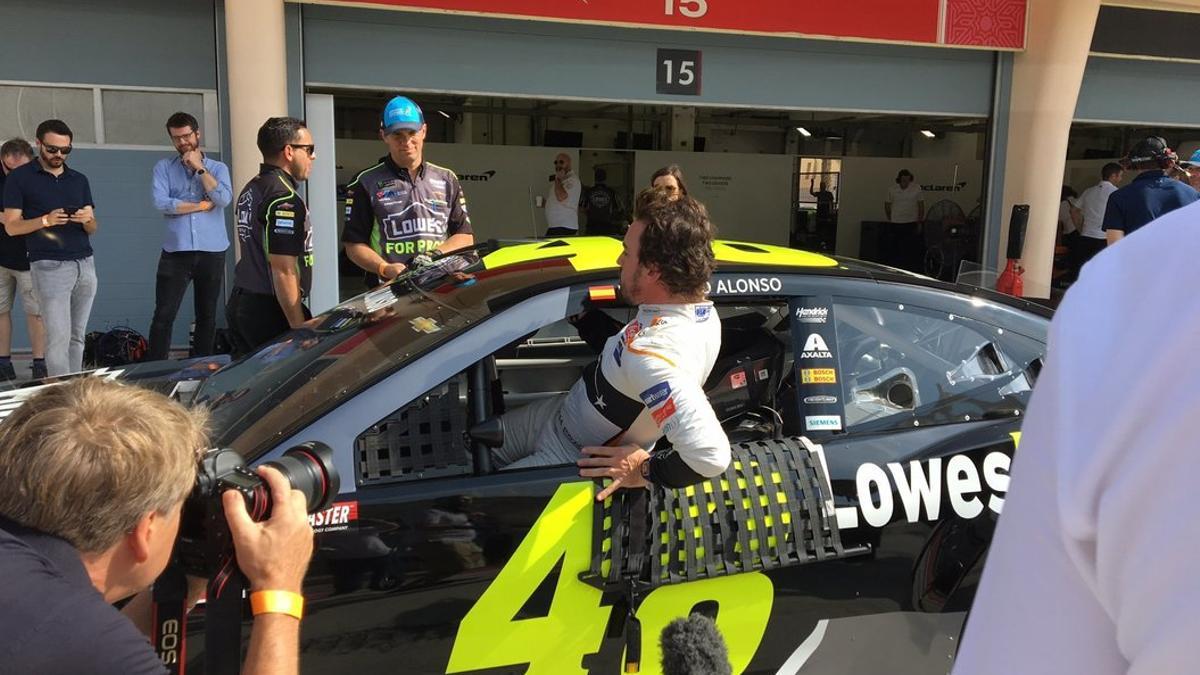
(254, 320)
(901, 245)
(204, 271)
(1087, 248)
(560, 232)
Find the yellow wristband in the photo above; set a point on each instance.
(277, 602)
(382, 266)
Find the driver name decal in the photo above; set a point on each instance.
(745, 286)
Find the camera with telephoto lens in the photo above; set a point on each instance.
(205, 543)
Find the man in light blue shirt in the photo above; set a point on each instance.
(191, 191)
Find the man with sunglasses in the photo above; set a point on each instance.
(403, 209)
(191, 191)
(274, 274)
(52, 205)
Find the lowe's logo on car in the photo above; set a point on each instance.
(823, 422)
(888, 492)
(812, 314)
(746, 285)
(815, 348)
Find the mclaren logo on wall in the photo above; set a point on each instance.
(476, 177)
(955, 187)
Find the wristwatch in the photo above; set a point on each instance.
(200, 171)
(645, 470)
(45, 223)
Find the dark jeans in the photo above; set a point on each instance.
(205, 271)
(560, 232)
(901, 245)
(1087, 248)
(254, 320)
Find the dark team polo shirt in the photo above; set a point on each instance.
(400, 215)
(272, 218)
(37, 192)
(1150, 195)
(53, 619)
(12, 249)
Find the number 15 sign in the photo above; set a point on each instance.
(678, 72)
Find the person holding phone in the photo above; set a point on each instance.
(562, 202)
(51, 204)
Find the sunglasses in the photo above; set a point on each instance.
(57, 150)
(310, 148)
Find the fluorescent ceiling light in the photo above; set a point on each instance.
(928, 134)
(804, 132)
(444, 114)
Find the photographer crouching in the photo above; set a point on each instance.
(94, 476)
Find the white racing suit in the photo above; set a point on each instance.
(647, 383)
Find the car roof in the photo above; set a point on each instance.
(598, 254)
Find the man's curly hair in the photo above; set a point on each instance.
(677, 240)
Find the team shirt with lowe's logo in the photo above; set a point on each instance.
(272, 218)
(648, 382)
(400, 215)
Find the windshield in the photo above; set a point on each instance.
(303, 373)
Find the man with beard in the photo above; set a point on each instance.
(191, 191)
(52, 205)
(274, 274)
(403, 210)
(648, 382)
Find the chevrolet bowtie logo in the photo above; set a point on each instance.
(424, 325)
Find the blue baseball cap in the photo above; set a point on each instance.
(1194, 160)
(401, 113)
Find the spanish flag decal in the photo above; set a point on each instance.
(602, 293)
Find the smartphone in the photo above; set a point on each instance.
(70, 210)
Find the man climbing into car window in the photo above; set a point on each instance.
(648, 381)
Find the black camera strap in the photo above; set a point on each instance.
(223, 613)
(170, 619)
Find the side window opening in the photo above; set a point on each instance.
(908, 366)
(424, 439)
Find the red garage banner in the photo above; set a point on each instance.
(987, 24)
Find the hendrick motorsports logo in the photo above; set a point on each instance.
(812, 314)
(820, 399)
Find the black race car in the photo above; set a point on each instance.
(874, 415)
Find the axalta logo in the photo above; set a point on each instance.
(815, 348)
(746, 285)
(812, 314)
(476, 177)
(917, 491)
(336, 517)
(823, 422)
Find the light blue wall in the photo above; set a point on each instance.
(1138, 91)
(380, 49)
(150, 43)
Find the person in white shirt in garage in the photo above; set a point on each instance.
(1093, 202)
(905, 209)
(562, 203)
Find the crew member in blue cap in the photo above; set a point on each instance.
(403, 209)
(1191, 167)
